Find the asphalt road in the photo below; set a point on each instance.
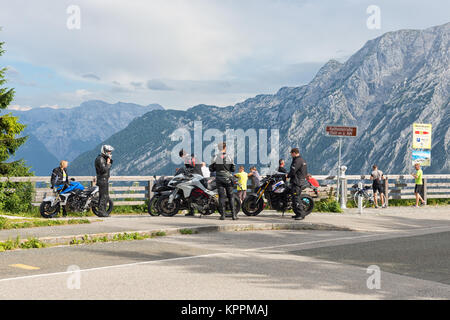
(414, 264)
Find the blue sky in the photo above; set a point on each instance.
(180, 53)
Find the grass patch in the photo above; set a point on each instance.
(406, 202)
(31, 243)
(159, 234)
(86, 239)
(187, 231)
(6, 223)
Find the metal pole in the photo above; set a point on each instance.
(339, 170)
(360, 206)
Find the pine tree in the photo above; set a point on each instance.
(10, 128)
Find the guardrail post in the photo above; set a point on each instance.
(360, 206)
(150, 186)
(424, 196)
(343, 185)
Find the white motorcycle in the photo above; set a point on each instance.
(193, 191)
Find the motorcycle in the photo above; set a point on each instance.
(278, 195)
(193, 191)
(159, 188)
(74, 197)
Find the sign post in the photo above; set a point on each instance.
(340, 132)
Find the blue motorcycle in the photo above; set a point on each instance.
(74, 197)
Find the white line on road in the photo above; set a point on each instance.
(210, 255)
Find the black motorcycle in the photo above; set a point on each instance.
(278, 196)
(160, 188)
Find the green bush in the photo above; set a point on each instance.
(16, 197)
(327, 205)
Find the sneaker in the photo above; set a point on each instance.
(384, 206)
(299, 218)
(416, 206)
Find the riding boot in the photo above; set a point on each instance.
(233, 210)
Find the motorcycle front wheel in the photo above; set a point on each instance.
(167, 209)
(47, 211)
(251, 206)
(153, 209)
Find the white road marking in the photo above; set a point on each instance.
(210, 255)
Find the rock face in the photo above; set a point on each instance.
(66, 133)
(392, 82)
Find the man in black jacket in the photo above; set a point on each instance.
(60, 177)
(297, 175)
(59, 174)
(224, 167)
(102, 167)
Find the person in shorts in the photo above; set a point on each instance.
(242, 183)
(377, 186)
(418, 189)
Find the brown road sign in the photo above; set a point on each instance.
(341, 131)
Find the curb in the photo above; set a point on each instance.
(201, 229)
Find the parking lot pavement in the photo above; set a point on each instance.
(379, 220)
(282, 264)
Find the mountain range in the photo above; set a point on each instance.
(57, 134)
(393, 81)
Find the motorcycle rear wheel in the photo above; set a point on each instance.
(308, 205)
(109, 208)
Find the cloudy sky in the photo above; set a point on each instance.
(180, 53)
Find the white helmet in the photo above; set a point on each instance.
(106, 148)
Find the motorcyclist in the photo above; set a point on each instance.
(190, 166)
(224, 167)
(60, 178)
(297, 175)
(190, 162)
(102, 167)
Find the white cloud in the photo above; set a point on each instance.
(195, 46)
(18, 108)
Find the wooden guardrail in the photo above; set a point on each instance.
(397, 186)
